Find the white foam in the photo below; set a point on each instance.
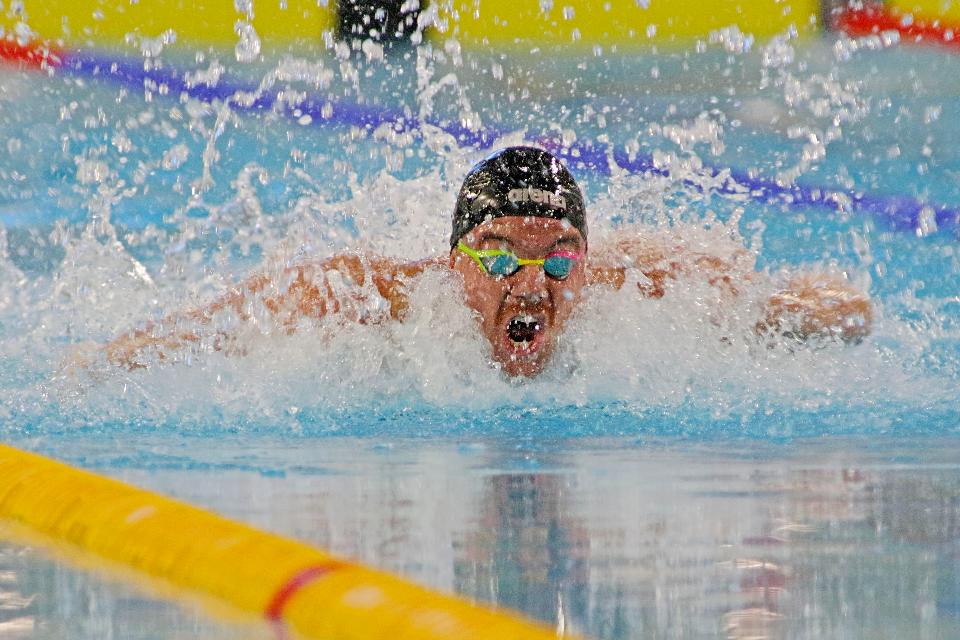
(692, 348)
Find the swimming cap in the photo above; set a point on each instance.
(518, 181)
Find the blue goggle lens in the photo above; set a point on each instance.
(502, 265)
(558, 266)
(507, 264)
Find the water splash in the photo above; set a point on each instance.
(263, 193)
(151, 47)
(690, 353)
(248, 43)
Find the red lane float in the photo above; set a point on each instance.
(873, 20)
(34, 55)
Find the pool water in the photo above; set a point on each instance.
(668, 476)
(640, 537)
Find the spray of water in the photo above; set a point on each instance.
(389, 192)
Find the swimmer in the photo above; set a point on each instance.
(519, 244)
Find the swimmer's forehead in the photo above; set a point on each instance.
(531, 234)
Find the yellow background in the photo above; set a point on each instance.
(623, 22)
(196, 22)
(282, 23)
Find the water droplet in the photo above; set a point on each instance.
(92, 171)
(732, 39)
(151, 47)
(245, 7)
(175, 156)
(926, 222)
(248, 47)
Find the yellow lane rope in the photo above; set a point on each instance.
(290, 584)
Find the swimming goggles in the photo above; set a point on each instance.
(500, 262)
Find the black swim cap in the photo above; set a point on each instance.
(518, 181)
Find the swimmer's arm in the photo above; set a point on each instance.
(306, 291)
(310, 293)
(818, 307)
(807, 307)
(655, 265)
(158, 340)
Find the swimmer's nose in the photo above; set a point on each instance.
(529, 284)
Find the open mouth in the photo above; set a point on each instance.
(524, 332)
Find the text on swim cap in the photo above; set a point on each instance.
(531, 194)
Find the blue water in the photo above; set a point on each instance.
(670, 486)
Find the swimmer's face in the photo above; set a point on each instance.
(522, 315)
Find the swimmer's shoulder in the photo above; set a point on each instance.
(647, 252)
(393, 279)
(357, 266)
(629, 248)
(407, 269)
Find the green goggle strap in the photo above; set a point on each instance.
(478, 256)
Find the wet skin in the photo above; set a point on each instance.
(529, 298)
(522, 315)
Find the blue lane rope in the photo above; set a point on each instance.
(900, 213)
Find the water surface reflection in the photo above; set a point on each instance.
(610, 538)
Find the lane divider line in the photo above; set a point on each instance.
(897, 213)
(874, 20)
(32, 56)
(289, 585)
